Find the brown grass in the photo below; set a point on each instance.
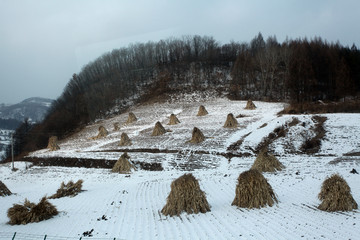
(250, 105)
(158, 129)
(116, 126)
(266, 162)
(197, 136)
(53, 143)
(4, 191)
(30, 212)
(253, 191)
(132, 118)
(351, 106)
(336, 195)
(123, 165)
(202, 111)
(102, 133)
(125, 140)
(241, 116)
(231, 121)
(173, 120)
(312, 145)
(70, 189)
(185, 195)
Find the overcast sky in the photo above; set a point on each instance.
(43, 42)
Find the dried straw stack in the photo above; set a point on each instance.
(336, 195)
(123, 165)
(253, 191)
(116, 126)
(131, 118)
(70, 189)
(102, 133)
(250, 105)
(185, 195)
(158, 129)
(173, 120)
(53, 143)
(266, 162)
(202, 111)
(197, 136)
(125, 140)
(4, 191)
(30, 212)
(231, 121)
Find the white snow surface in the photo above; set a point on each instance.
(132, 203)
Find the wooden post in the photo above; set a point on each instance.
(12, 151)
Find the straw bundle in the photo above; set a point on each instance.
(185, 195)
(336, 195)
(125, 140)
(253, 191)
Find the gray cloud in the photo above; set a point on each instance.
(44, 42)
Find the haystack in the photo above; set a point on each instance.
(173, 120)
(185, 195)
(132, 118)
(197, 136)
(202, 111)
(336, 195)
(253, 191)
(116, 126)
(123, 165)
(4, 191)
(158, 129)
(266, 162)
(250, 105)
(125, 140)
(29, 212)
(70, 189)
(53, 143)
(102, 133)
(231, 121)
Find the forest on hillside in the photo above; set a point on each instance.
(298, 71)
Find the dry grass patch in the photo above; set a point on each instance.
(266, 162)
(313, 145)
(173, 120)
(30, 212)
(336, 195)
(185, 195)
(125, 140)
(53, 143)
(4, 191)
(202, 111)
(123, 165)
(231, 121)
(70, 189)
(253, 191)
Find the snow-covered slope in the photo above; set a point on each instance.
(132, 203)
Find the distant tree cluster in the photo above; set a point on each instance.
(9, 124)
(296, 70)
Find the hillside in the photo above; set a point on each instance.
(32, 108)
(127, 206)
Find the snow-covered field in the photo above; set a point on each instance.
(132, 203)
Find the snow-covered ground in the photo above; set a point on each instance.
(132, 203)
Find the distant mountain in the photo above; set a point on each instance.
(33, 108)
